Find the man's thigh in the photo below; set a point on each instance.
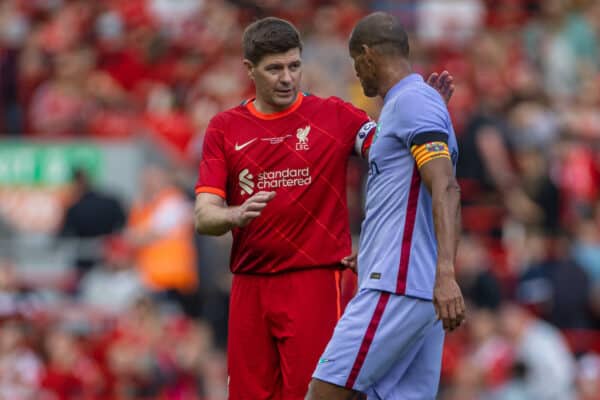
(252, 358)
(420, 379)
(278, 327)
(379, 334)
(306, 306)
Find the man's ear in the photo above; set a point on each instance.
(249, 68)
(369, 55)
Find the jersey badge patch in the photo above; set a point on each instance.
(434, 147)
(302, 135)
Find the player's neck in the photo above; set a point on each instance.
(392, 73)
(264, 107)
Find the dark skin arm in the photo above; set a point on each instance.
(438, 176)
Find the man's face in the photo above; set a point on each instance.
(365, 73)
(277, 78)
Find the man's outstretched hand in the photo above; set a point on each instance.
(250, 209)
(443, 83)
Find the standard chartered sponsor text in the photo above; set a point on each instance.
(284, 178)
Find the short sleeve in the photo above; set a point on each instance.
(212, 174)
(421, 116)
(351, 120)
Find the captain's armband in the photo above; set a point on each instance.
(423, 153)
(364, 138)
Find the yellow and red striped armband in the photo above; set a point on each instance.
(423, 153)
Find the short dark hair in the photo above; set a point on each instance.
(380, 29)
(81, 176)
(269, 36)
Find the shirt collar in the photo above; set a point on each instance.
(401, 84)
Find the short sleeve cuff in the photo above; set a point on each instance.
(428, 137)
(211, 190)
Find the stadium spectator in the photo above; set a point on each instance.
(485, 170)
(160, 231)
(21, 369)
(533, 166)
(18, 300)
(453, 23)
(115, 284)
(70, 372)
(14, 31)
(91, 217)
(325, 58)
(563, 46)
(547, 367)
(62, 106)
(474, 274)
(168, 122)
(551, 284)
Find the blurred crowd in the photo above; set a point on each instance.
(526, 112)
(125, 321)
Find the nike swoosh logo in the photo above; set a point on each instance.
(241, 146)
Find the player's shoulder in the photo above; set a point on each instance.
(230, 115)
(315, 100)
(429, 93)
(338, 105)
(334, 101)
(419, 90)
(234, 112)
(417, 97)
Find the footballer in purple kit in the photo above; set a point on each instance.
(388, 343)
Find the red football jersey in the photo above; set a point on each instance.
(301, 154)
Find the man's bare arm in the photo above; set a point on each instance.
(438, 177)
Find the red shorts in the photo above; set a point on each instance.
(279, 326)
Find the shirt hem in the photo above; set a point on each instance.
(418, 294)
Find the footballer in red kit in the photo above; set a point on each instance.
(273, 172)
(301, 154)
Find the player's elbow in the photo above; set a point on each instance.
(452, 187)
(446, 187)
(205, 224)
(203, 228)
(453, 191)
(199, 225)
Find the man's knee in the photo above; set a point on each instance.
(320, 390)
